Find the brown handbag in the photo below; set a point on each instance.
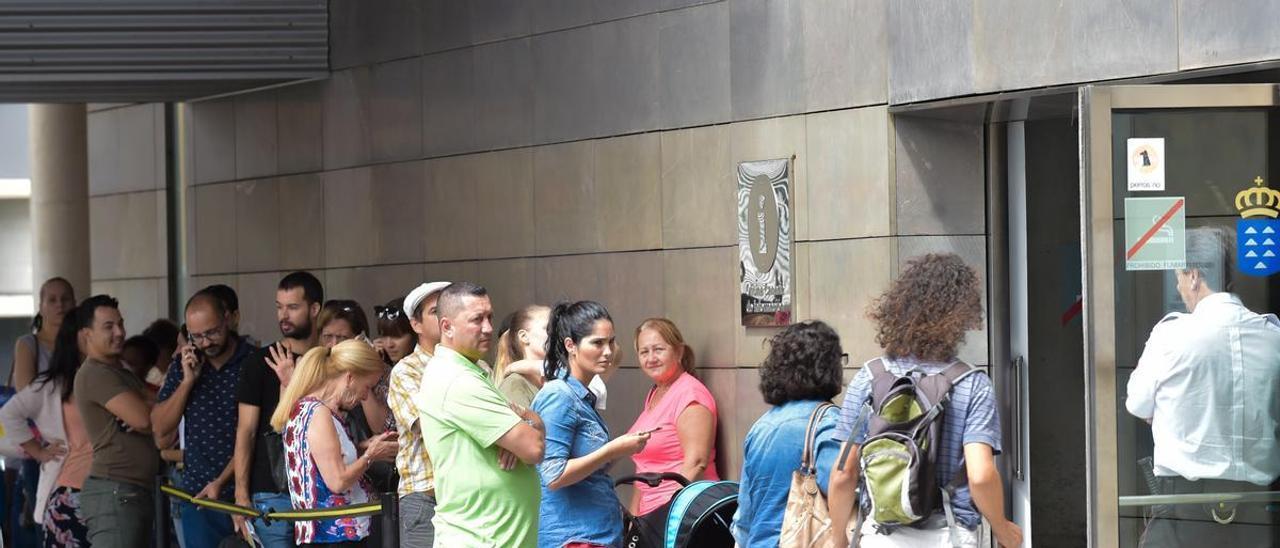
(806, 523)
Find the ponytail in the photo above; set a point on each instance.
(557, 354)
(321, 365)
(504, 357)
(573, 322)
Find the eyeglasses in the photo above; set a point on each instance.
(387, 312)
(844, 360)
(208, 336)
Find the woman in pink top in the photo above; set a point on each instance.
(679, 410)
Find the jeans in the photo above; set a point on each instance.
(279, 534)
(416, 511)
(118, 514)
(175, 506)
(204, 528)
(26, 532)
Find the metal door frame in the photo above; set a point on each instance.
(1097, 102)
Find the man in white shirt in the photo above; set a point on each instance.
(1208, 382)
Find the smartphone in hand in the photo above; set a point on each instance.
(195, 350)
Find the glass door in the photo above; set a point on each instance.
(1182, 362)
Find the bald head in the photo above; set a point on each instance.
(207, 327)
(206, 302)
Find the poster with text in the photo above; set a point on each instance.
(764, 242)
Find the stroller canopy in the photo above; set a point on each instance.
(701, 515)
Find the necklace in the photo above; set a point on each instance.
(658, 392)
(342, 418)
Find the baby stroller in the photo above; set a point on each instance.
(699, 515)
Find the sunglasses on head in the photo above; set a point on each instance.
(387, 312)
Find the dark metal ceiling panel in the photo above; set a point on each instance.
(138, 50)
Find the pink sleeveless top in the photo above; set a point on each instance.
(663, 452)
(75, 466)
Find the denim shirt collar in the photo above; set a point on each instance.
(579, 390)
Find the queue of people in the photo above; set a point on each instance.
(517, 454)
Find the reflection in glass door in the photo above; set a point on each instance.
(1183, 358)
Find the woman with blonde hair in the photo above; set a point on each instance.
(321, 461)
(522, 343)
(680, 412)
(32, 351)
(522, 351)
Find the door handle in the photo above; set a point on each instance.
(1018, 374)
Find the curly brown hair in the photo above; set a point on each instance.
(804, 363)
(931, 305)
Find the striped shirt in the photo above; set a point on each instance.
(417, 475)
(971, 417)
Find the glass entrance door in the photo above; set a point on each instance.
(1181, 239)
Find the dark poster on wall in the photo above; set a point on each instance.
(764, 242)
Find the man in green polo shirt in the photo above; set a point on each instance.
(470, 431)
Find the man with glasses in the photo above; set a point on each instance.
(199, 392)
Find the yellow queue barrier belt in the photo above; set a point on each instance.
(366, 509)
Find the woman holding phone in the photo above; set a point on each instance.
(323, 469)
(681, 406)
(578, 505)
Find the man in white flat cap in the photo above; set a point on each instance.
(417, 475)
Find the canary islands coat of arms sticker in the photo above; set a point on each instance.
(1258, 230)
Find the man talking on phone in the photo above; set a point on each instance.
(200, 387)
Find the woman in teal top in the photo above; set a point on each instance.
(578, 501)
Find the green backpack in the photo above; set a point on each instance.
(898, 457)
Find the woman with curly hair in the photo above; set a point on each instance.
(920, 323)
(802, 372)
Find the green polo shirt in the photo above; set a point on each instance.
(462, 415)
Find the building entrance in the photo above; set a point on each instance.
(1182, 362)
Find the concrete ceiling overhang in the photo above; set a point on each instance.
(1062, 102)
(157, 50)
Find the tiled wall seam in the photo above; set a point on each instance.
(355, 97)
(536, 33)
(372, 163)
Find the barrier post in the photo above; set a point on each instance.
(390, 517)
(161, 513)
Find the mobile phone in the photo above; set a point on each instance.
(195, 349)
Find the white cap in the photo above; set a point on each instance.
(420, 294)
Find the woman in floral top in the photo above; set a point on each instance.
(323, 469)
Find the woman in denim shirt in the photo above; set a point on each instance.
(579, 506)
(802, 371)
